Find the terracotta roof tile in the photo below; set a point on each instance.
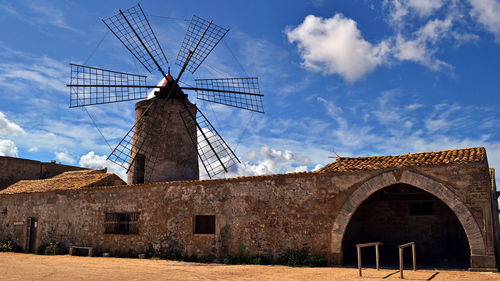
(352, 164)
(66, 181)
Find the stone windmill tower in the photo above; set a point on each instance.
(170, 133)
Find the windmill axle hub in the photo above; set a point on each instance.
(173, 89)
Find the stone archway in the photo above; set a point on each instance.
(471, 228)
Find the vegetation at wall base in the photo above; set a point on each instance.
(9, 246)
(53, 248)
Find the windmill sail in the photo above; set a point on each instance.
(242, 93)
(201, 38)
(132, 28)
(91, 85)
(215, 154)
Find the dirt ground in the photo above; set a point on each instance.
(14, 266)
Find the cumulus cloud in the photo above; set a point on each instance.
(94, 161)
(8, 148)
(64, 157)
(8, 128)
(270, 161)
(335, 45)
(487, 13)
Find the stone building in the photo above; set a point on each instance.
(445, 201)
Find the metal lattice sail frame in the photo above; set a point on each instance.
(201, 37)
(91, 86)
(215, 154)
(230, 92)
(132, 28)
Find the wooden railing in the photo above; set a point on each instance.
(358, 248)
(401, 247)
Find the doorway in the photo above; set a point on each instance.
(402, 213)
(31, 231)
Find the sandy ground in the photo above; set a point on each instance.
(15, 266)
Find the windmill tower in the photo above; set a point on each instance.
(170, 133)
(175, 158)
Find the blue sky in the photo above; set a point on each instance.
(360, 77)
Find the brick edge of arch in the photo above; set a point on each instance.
(385, 179)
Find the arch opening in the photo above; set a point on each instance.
(401, 213)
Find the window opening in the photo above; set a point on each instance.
(420, 209)
(121, 223)
(204, 224)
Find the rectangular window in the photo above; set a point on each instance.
(420, 209)
(121, 223)
(204, 224)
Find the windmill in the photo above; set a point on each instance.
(170, 133)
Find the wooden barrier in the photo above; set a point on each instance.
(358, 250)
(401, 247)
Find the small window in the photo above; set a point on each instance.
(420, 209)
(121, 223)
(204, 225)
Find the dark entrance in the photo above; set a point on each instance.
(399, 214)
(31, 230)
(139, 168)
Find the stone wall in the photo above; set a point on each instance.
(15, 169)
(265, 215)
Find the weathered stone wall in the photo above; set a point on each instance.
(266, 215)
(15, 169)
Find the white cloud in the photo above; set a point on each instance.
(414, 106)
(8, 148)
(334, 111)
(38, 13)
(94, 161)
(421, 48)
(425, 8)
(487, 13)
(270, 161)
(43, 73)
(64, 157)
(399, 10)
(33, 149)
(8, 128)
(335, 45)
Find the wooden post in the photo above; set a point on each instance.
(358, 249)
(414, 257)
(401, 262)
